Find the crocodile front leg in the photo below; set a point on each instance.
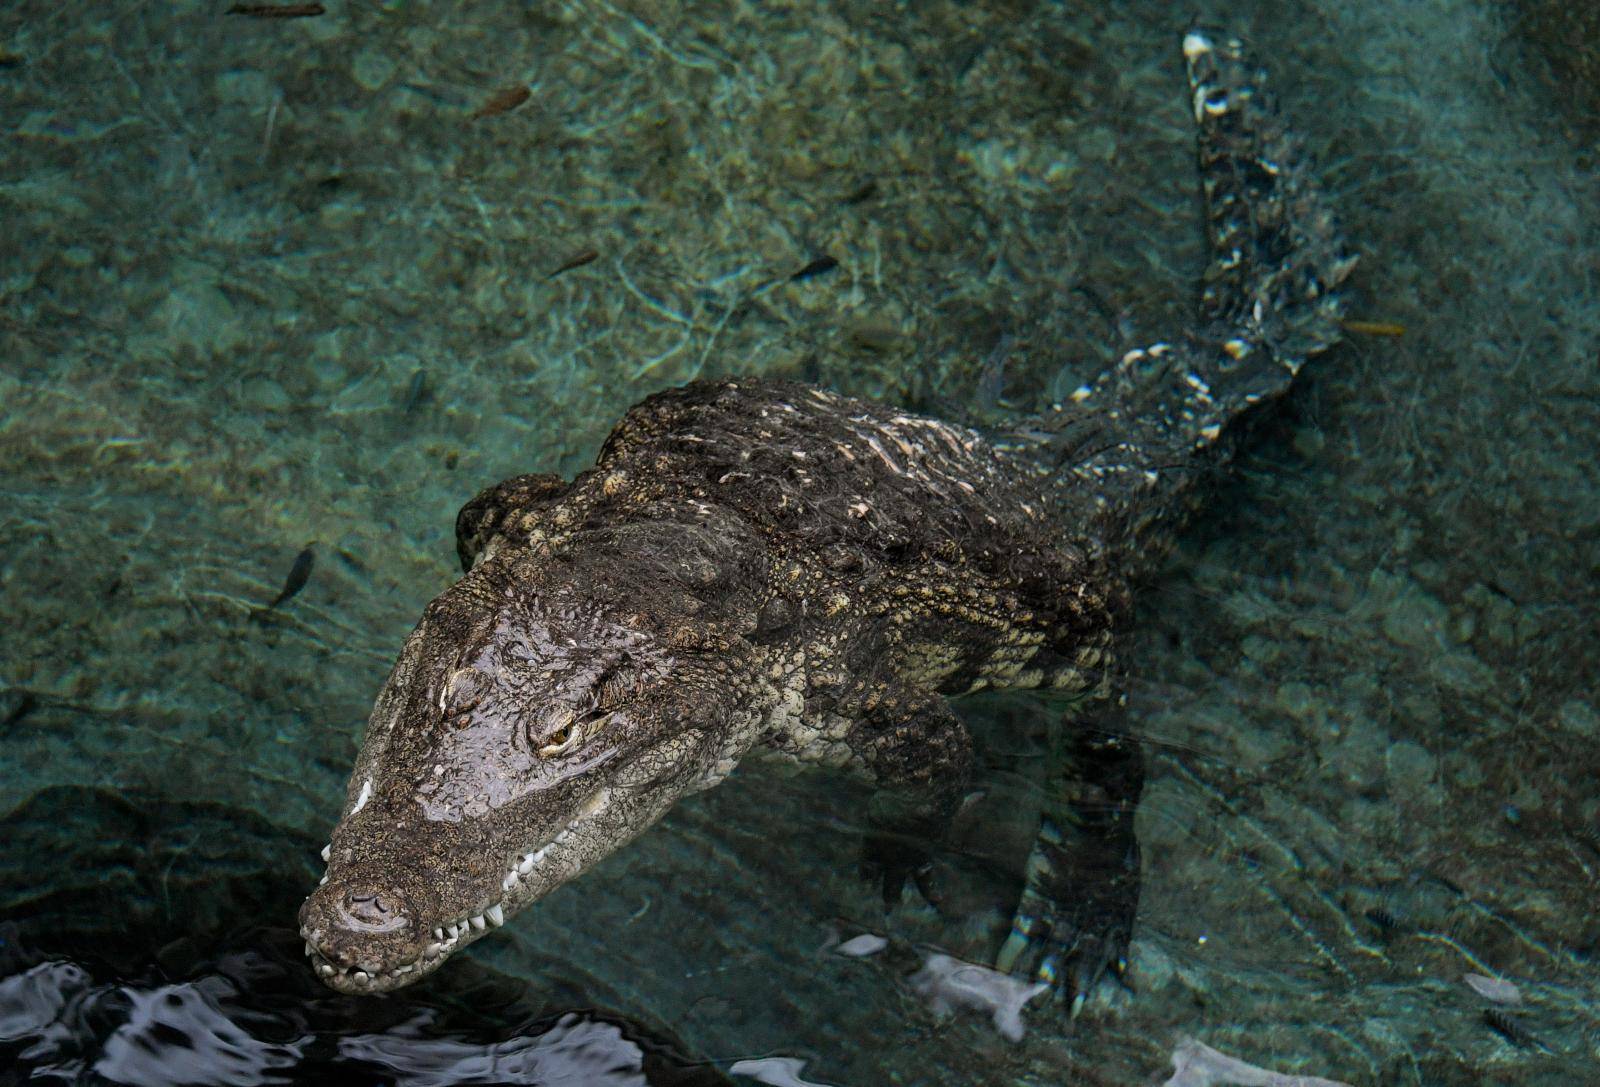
(1075, 915)
(919, 756)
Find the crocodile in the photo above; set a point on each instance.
(764, 567)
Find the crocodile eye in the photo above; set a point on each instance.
(562, 738)
(569, 735)
(561, 741)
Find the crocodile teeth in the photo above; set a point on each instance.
(525, 865)
(362, 977)
(438, 933)
(327, 851)
(496, 915)
(325, 969)
(477, 922)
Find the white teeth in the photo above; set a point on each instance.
(495, 915)
(529, 861)
(326, 850)
(309, 949)
(362, 977)
(325, 969)
(323, 880)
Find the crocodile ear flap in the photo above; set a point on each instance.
(494, 508)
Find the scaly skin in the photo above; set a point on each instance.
(768, 567)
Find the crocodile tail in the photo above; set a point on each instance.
(1277, 257)
(1125, 452)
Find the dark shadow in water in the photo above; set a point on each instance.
(191, 879)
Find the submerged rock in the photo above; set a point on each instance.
(948, 983)
(1195, 1064)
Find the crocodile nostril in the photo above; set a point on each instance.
(372, 911)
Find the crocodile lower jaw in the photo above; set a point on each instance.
(450, 937)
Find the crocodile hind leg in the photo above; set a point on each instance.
(1081, 889)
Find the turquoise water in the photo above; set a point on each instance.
(271, 283)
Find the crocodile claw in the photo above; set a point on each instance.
(891, 860)
(1070, 962)
(1073, 924)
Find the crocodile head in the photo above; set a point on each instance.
(548, 708)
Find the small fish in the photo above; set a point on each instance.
(502, 102)
(1374, 328)
(1383, 919)
(1508, 1028)
(862, 193)
(277, 11)
(416, 392)
(299, 574)
(577, 260)
(817, 267)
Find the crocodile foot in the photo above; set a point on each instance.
(891, 860)
(1075, 917)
